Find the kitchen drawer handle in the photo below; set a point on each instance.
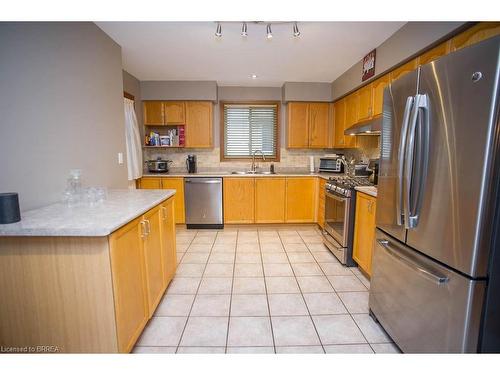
(144, 231)
(439, 279)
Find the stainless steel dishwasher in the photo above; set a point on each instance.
(203, 201)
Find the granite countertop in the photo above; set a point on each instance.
(120, 207)
(225, 173)
(370, 190)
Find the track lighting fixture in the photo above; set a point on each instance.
(218, 31)
(269, 32)
(296, 31)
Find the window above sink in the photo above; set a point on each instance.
(248, 127)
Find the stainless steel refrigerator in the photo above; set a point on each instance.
(433, 288)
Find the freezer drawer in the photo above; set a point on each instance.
(423, 306)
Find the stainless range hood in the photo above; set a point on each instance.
(368, 127)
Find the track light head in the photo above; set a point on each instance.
(244, 29)
(296, 31)
(269, 32)
(218, 31)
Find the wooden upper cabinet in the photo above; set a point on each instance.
(199, 124)
(378, 94)
(319, 121)
(153, 113)
(435, 53)
(270, 200)
(404, 69)
(364, 231)
(300, 199)
(477, 33)
(129, 289)
(297, 125)
(239, 197)
(351, 117)
(351, 109)
(175, 113)
(365, 102)
(339, 123)
(153, 257)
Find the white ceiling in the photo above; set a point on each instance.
(190, 51)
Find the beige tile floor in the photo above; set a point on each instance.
(262, 290)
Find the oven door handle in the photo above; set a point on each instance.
(336, 197)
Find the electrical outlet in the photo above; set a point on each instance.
(120, 158)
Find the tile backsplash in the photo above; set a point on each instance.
(209, 159)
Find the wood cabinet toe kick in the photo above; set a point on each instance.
(86, 294)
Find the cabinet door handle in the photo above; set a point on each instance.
(148, 226)
(164, 211)
(144, 232)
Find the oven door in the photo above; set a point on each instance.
(337, 216)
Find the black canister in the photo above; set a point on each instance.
(191, 163)
(9, 208)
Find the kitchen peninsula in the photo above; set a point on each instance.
(86, 279)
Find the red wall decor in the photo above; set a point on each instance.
(368, 66)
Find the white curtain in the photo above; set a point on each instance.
(133, 141)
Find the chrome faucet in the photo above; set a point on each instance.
(253, 159)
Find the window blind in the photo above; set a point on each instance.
(248, 128)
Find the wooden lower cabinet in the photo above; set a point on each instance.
(152, 247)
(364, 231)
(270, 200)
(321, 202)
(300, 199)
(239, 198)
(149, 183)
(129, 284)
(176, 183)
(168, 241)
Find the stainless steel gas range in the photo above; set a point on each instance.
(340, 202)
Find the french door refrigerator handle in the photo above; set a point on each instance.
(422, 121)
(408, 162)
(431, 275)
(420, 103)
(401, 158)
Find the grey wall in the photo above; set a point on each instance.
(307, 91)
(179, 90)
(61, 102)
(407, 41)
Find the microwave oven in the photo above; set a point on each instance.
(331, 164)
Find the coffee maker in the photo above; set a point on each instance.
(191, 163)
(373, 166)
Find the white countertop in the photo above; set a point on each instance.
(120, 207)
(370, 190)
(324, 176)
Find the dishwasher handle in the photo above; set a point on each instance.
(203, 181)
